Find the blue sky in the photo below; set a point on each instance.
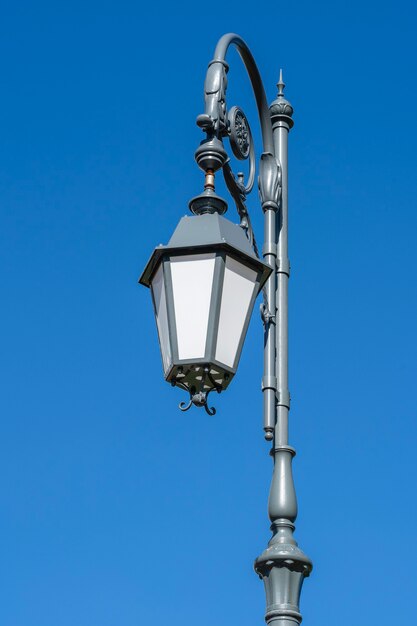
(116, 508)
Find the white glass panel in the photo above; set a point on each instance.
(192, 281)
(159, 298)
(238, 287)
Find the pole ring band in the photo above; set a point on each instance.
(269, 248)
(284, 448)
(284, 398)
(222, 61)
(283, 266)
(282, 614)
(269, 382)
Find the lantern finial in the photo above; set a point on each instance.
(199, 398)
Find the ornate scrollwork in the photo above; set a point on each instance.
(214, 118)
(218, 123)
(199, 398)
(239, 133)
(269, 181)
(238, 191)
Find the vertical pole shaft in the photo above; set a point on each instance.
(282, 566)
(282, 498)
(280, 130)
(269, 381)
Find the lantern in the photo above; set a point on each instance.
(204, 284)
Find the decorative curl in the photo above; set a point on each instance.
(199, 398)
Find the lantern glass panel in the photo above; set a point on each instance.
(192, 284)
(239, 285)
(160, 304)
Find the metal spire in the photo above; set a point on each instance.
(280, 85)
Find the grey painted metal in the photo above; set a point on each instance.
(210, 155)
(282, 566)
(205, 233)
(255, 77)
(170, 312)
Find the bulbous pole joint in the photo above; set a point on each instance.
(283, 567)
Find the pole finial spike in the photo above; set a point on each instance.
(280, 84)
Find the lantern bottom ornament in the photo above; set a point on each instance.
(205, 382)
(204, 284)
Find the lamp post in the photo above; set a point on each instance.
(204, 284)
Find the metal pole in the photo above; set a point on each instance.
(281, 127)
(282, 566)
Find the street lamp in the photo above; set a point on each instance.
(204, 284)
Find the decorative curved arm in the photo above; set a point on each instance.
(214, 118)
(257, 85)
(218, 123)
(211, 156)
